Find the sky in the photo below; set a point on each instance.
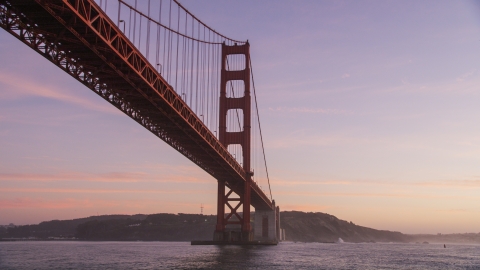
(369, 110)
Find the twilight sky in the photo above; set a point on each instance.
(370, 112)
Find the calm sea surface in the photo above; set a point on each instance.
(181, 255)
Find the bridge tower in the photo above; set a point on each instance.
(242, 138)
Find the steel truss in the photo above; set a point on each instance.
(80, 39)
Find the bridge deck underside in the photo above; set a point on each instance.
(71, 44)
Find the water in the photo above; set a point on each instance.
(181, 255)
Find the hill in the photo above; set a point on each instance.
(58, 228)
(157, 227)
(320, 227)
(299, 226)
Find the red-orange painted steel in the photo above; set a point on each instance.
(241, 137)
(78, 37)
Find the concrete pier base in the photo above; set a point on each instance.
(266, 231)
(235, 243)
(232, 236)
(267, 223)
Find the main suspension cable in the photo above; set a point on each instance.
(260, 128)
(169, 28)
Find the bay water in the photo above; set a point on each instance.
(286, 255)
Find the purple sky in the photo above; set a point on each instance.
(370, 112)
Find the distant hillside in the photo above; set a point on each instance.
(157, 227)
(59, 228)
(320, 227)
(463, 238)
(299, 226)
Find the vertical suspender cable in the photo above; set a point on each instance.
(208, 80)
(118, 17)
(148, 29)
(169, 41)
(196, 77)
(204, 79)
(140, 33)
(134, 22)
(191, 65)
(157, 49)
(130, 24)
(178, 37)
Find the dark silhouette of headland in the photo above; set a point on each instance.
(299, 227)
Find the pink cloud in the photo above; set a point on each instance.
(460, 86)
(297, 139)
(290, 85)
(103, 177)
(373, 195)
(455, 210)
(30, 88)
(307, 183)
(113, 177)
(464, 76)
(100, 191)
(42, 203)
(463, 183)
(307, 110)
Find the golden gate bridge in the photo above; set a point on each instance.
(174, 75)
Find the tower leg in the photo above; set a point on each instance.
(219, 233)
(247, 233)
